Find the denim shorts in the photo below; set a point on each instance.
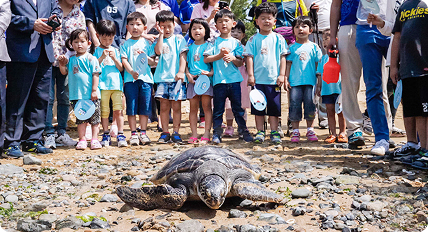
(298, 95)
(138, 97)
(273, 100)
(330, 99)
(165, 90)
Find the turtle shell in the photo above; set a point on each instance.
(191, 159)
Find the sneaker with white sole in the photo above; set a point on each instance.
(380, 147)
(134, 140)
(144, 139)
(50, 141)
(106, 141)
(121, 140)
(65, 140)
(367, 124)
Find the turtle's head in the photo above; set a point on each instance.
(212, 190)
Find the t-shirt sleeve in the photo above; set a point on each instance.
(151, 50)
(318, 53)
(398, 24)
(123, 51)
(239, 50)
(290, 57)
(182, 45)
(210, 50)
(248, 51)
(283, 47)
(95, 66)
(89, 12)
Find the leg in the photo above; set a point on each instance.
(143, 121)
(81, 130)
(49, 129)
(342, 123)
(234, 94)
(331, 114)
(193, 115)
(254, 191)
(132, 121)
(410, 127)
(131, 96)
(274, 122)
(2, 103)
(260, 120)
(176, 108)
(421, 125)
(152, 197)
(117, 101)
(309, 106)
(105, 108)
(219, 99)
(295, 109)
(208, 113)
(62, 100)
(165, 107)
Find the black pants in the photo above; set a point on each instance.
(28, 94)
(2, 102)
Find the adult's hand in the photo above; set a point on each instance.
(333, 42)
(41, 26)
(315, 6)
(375, 20)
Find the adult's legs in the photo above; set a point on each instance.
(62, 100)
(49, 129)
(2, 102)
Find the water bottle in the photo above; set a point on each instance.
(331, 68)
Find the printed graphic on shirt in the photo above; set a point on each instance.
(303, 55)
(418, 12)
(264, 51)
(197, 57)
(75, 69)
(425, 107)
(165, 49)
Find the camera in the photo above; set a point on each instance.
(222, 4)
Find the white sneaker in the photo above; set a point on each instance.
(65, 140)
(380, 147)
(50, 141)
(113, 131)
(134, 140)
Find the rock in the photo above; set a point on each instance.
(346, 229)
(271, 218)
(125, 208)
(11, 198)
(228, 228)
(109, 198)
(135, 228)
(69, 222)
(350, 216)
(28, 225)
(38, 206)
(332, 213)
(5, 206)
(248, 228)
(68, 178)
(365, 198)
(317, 180)
(246, 203)
(190, 226)
(48, 217)
(299, 211)
(234, 213)
(339, 226)
(10, 169)
(296, 202)
(301, 193)
(136, 163)
(31, 160)
(421, 217)
(99, 224)
(375, 206)
(345, 179)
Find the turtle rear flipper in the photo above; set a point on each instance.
(153, 197)
(253, 191)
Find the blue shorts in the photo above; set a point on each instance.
(330, 99)
(165, 90)
(138, 97)
(273, 100)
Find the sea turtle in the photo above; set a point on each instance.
(204, 173)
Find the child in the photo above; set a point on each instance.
(301, 71)
(266, 62)
(329, 93)
(226, 55)
(138, 86)
(171, 51)
(199, 33)
(238, 32)
(110, 81)
(409, 56)
(83, 74)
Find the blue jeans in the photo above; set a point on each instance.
(2, 102)
(63, 104)
(373, 46)
(233, 92)
(298, 95)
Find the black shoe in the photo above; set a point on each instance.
(246, 136)
(406, 150)
(176, 138)
(36, 146)
(391, 144)
(164, 138)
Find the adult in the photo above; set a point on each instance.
(113, 10)
(29, 42)
(207, 9)
(5, 16)
(150, 8)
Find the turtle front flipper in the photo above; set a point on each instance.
(253, 191)
(153, 197)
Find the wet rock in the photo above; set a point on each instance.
(190, 226)
(234, 213)
(99, 224)
(345, 179)
(28, 225)
(69, 222)
(301, 193)
(31, 160)
(109, 198)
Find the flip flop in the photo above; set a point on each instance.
(421, 163)
(192, 140)
(204, 140)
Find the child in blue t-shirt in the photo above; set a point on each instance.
(110, 81)
(330, 93)
(266, 62)
(138, 77)
(225, 52)
(199, 33)
(171, 51)
(301, 71)
(83, 72)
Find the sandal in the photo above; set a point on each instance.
(192, 140)
(330, 139)
(204, 140)
(342, 138)
(397, 132)
(421, 163)
(95, 144)
(82, 145)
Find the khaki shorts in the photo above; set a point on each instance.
(116, 98)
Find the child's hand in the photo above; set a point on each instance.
(191, 78)
(375, 20)
(150, 37)
(111, 54)
(251, 80)
(135, 75)
(206, 73)
(393, 73)
(229, 57)
(224, 51)
(62, 60)
(179, 76)
(105, 54)
(318, 90)
(280, 80)
(286, 85)
(160, 29)
(94, 96)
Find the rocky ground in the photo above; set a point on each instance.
(328, 189)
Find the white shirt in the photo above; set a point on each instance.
(323, 12)
(363, 13)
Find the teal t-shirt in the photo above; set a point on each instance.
(195, 59)
(304, 58)
(169, 60)
(225, 73)
(266, 51)
(110, 78)
(332, 88)
(130, 49)
(80, 71)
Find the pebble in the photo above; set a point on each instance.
(375, 206)
(190, 226)
(300, 210)
(301, 193)
(69, 222)
(345, 179)
(271, 218)
(28, 225)
(31, 160)
(10, 169)
(109, 198)
(11, 198)
(99, 224)
(234, 213)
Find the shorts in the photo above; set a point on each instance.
(116, 98)
(165, 90)
(138, 97)
(330, 99)
(191, 91)
(298, 95)
(273, 100)
(415, 97)
(95, 118)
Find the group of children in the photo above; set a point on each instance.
(270, 65)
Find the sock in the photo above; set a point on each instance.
(120, 132)
(310, 129)
(143, 132)
(175, 132)
(133, 132)
(107, 132)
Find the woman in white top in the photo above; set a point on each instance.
(150, 8)
(207, 10)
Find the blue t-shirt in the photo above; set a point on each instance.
(225, 73)
(348, 12)
(195, 59)
(113, 10)
(169, 60)
(266, 51)
(304, 58)
(80, 72)
(130, 50)
(332, 88)
(110, 78)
